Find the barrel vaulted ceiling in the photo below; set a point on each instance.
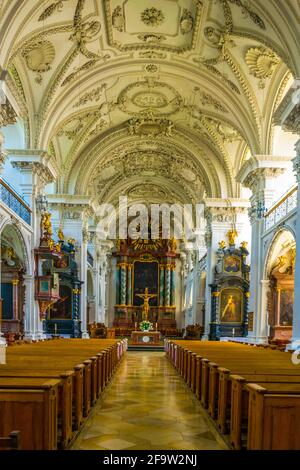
(155, 99)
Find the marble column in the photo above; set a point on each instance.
(129, 284)
(161, 285)
(83, 272)
(295, 344)
(260, 175)
(96, 281)
(287, 116)
(118, 277)
(173, 285)
(15, 283)
(32, 328)
(168, 285)
(123, 267)
(101, 288)
(2, 339)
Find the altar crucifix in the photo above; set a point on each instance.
(145, 307)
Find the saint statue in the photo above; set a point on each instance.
(46, 226)
(146, 308)
(60, 235)
(232, 234)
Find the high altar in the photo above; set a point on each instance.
(141, 264)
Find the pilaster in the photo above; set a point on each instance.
(259, 174)
(296, 314)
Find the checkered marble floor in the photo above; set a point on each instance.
(147, 406)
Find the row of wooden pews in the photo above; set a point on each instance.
(48, 388)
(251, 393)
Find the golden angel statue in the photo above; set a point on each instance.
(60, 234)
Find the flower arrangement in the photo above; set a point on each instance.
(146, 325)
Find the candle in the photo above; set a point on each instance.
(233, 330)
(135, 326)
(55, 328)
(156, 326)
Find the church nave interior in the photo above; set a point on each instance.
(149, 221)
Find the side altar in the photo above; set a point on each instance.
(230, 290)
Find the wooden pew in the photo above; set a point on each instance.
(82, 368)
(240, 399)
(209, 371)
(30, 405)
(65, 394)
(273, 417)
(12, 442)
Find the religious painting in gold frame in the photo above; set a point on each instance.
(151, 291)
(231, 305)
(232, 264)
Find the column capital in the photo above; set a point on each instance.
(35, 161)
(218, 210)
(73, 206)
(258, 169)
(288, 112)
(7, 114)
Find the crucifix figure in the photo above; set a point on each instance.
(146, 296)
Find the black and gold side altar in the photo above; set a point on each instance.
(145, 264)
(230, 290)
(63, 317)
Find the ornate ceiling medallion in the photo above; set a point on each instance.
(151, 68)
(261, 62)
(149, 96)
(152, 17)
(150, 127)
(39, 56)
(172, 26)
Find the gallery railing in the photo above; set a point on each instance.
(14, 201)
(281, 208)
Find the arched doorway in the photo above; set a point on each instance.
(280, 272)
(12, 294)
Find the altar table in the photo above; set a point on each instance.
(145, 338)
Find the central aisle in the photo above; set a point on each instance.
(147, 406)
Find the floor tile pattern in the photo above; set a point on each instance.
(147, 406)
